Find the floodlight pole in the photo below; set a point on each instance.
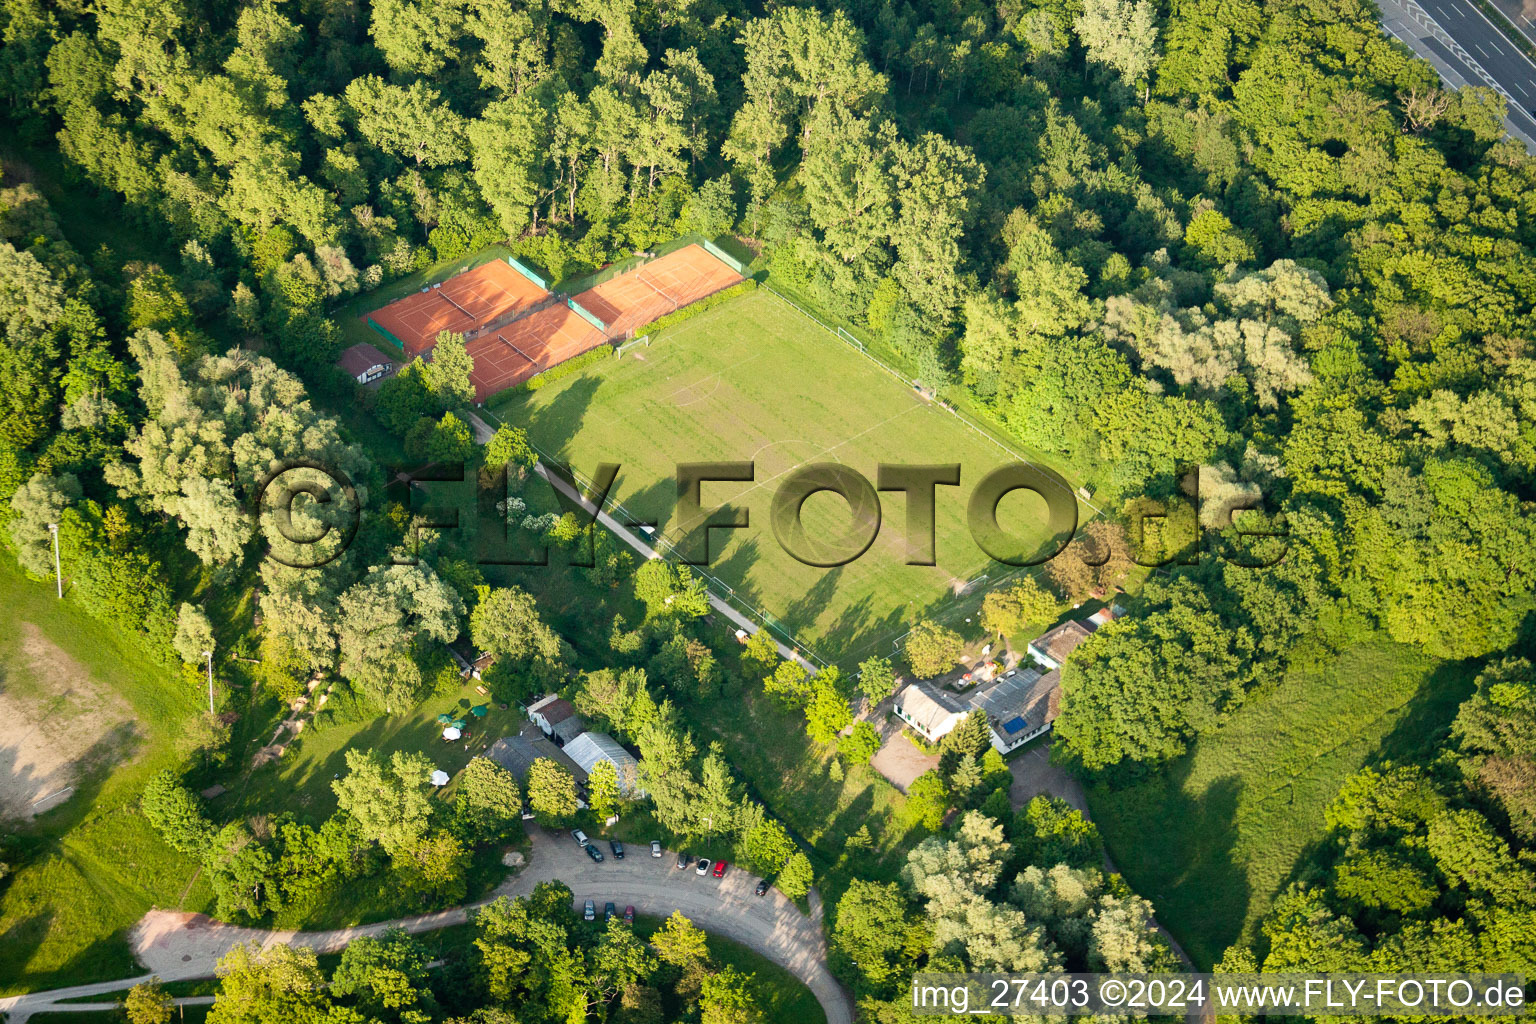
(58, 573)
(209, 656)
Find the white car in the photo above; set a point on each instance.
(580, 837)
(655, 847)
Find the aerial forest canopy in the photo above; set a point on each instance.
(1255, 237)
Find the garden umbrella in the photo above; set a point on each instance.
(451, 733)
(439, 778)
(479, 710)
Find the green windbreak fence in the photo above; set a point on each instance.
(726, 258)
(530, 274)
(387, 336)
(588, 317)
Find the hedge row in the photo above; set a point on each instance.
(566, 368)
(694, 309)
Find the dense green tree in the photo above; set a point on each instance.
(176, 813)
(1496, 728)
(487, 806)
(386, 976)
(551, 793)
(390, 802)
(931, 649)
(147, 1003)
(877, 680)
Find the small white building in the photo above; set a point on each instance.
(591, 747)
(365, 363)
(556, 718)
(929, 710)
(1051, 648)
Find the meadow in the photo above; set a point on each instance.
(1213, 836)
(90, 867)
(754, 380)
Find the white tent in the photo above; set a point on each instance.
(439, 778)
(451, 733)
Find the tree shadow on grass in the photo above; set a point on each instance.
(1176, 849)
(1426, 723)
(87, 774)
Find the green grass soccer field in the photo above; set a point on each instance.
(755, 380)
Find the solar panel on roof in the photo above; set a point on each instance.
(1013, 725)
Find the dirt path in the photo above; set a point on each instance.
(175, 946)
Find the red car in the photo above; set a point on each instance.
(629, 914)
(719, 869)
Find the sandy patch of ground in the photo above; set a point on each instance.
(897, 759)
(57, 724)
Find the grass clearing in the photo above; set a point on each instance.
(1215, 835)
(89, 868)
(714, 389)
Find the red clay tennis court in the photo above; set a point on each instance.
(655, 289)
(511, 354)
(463, 303)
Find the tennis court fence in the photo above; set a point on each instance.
(726, 258)
(529, 273)
(588, 317)
(386, 335)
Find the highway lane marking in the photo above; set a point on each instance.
(1497, 32)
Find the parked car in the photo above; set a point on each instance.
(655, 847)
(580, 837)
(594, 853)
(683, 860)
(629, 914)
(762, 887)
(703, 866)
(609, 911)
(617, 848)
(589, 912)
(719, 869)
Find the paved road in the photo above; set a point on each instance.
(1521, 14)
(1485, 52)
(175, 946)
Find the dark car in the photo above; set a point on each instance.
(617, 848)
(589, 912)
(609, 911)
(719, 869)
(594, 853)
(703, 866)
(629, 914)
(762, 887)
(683, 860)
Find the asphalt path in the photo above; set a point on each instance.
(175, 946)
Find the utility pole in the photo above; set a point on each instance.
(209, 656)
(58, 574)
